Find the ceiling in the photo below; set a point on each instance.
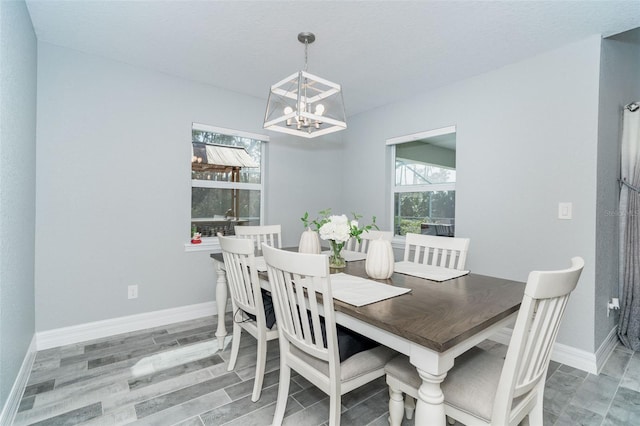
(379, 51)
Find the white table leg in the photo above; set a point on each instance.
(429, 405)
(221, 303)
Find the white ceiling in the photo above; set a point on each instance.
(380, 51)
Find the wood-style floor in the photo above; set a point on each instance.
(174, 375)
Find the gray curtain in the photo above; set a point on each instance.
(629, 325)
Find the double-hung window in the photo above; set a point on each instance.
(424, 183)
(227, 186)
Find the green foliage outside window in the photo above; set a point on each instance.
(415, 208)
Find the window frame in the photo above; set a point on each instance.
(398, 189)
(212, 243)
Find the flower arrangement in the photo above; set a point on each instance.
(337, 229)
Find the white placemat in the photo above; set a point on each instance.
(433, 273)
(359, 291)
(350, 256)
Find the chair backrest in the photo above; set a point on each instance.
(543, 305)
(444, 230)
(296, 280)
(268, 234)
(446, 252)
(242, 276)
(363, 245)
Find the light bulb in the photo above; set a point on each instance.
(319, 109)
(288, 110)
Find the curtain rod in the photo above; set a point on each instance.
(634, 106)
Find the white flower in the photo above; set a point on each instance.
(354, 223)
(339, 220)
(337, 229)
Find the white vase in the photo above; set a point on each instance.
(380, 261)
(309, 242)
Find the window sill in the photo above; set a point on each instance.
(212, 245)
(207, 244)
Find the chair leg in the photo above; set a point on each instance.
(395, 407)
(283, 394)
(409, 406)
(235, 346)
(335, 405)
(261, 362)
(536, 414)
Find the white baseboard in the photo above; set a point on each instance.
(99, 329)
(606, 348)
(12, 403)
(95, 330)
(576, 358)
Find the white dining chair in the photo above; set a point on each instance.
(484, 389)
(269, 234)
(248, 305)
(362, 246)
(308, 332)
(445, 230)
(446, 252)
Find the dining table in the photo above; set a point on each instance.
(433, 323)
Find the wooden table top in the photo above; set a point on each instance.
(437, 315)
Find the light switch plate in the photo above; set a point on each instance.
(565, 210)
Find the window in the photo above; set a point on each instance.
(226, 180)
(424, 182)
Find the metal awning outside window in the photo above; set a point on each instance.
(220, 158)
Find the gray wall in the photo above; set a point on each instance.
(114, 191)
(17, 189)
(304, 175)
(526, 139)
(114, 186)
(619, 85)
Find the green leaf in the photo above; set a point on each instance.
(305, 219)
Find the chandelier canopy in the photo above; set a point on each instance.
(304, 104)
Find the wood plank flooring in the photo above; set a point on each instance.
(175, 375)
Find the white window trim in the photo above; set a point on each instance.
(421, 135)
(424, 188)
(211, 244)
(232, 132)
(225, 185)
(399, 241)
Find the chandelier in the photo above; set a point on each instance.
(304, 104)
